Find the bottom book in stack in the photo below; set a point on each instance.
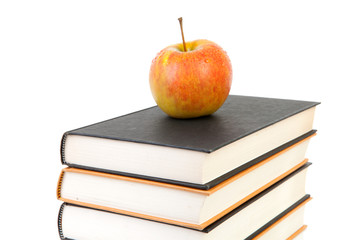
(275, 213)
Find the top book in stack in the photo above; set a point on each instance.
(198, 153)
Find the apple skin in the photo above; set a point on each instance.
(191, 84)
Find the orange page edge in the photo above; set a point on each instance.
(173, 186)
(295, 234)
(284, 217)
(170, 221)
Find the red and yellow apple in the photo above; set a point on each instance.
(191, 79)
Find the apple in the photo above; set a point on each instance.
(190, 79)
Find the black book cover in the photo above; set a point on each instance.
(239, 117)
(224, 218)
(212, 183)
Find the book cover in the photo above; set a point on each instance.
(239, 118)
(232, 191)
(276, 188)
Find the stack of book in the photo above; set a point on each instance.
(237, 174)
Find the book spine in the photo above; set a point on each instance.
(58, 189)
(62, 148)
(61, 234)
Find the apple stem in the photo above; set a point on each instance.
(182, 33)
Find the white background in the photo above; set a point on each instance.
(66, 64)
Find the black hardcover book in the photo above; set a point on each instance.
(195, 208)
(198, 152)
(244, 222)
